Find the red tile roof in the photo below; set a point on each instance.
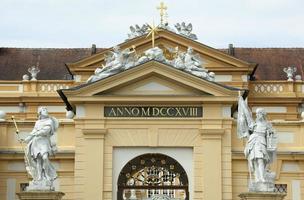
(14, 62)
(272, 61)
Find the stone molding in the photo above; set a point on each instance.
(94, 133)
(212, 134)
(262, 195)
(40, 195)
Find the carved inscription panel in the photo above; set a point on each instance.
(153, 111)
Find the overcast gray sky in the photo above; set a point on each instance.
(80, 23)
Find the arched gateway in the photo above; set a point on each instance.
(153, 176)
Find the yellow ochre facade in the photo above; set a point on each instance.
(93, 147)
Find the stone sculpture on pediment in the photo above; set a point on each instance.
(185, 30)
(136, 31)
(180, 28)
(154, 53)
(117, 61)
(192, 61)
(179, 62)
(192, 64)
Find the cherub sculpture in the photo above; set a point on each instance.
(185, 30)
(137, 31)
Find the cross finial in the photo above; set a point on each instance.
(162, 8)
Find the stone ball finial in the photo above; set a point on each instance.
(25, 77)
(69, 114)
(298, 77)
(2, 116)
(302, 115)
(212, 76)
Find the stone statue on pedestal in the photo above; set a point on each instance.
(260, 148)
(39, 148)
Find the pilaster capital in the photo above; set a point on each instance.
(212, 134)
(94, 133)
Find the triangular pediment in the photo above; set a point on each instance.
(155, 84)
(152, 86)
(153, 81)
(213, 59)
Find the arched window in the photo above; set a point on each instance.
(153, 176)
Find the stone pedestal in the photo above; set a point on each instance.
(40, 195)
(262, 195)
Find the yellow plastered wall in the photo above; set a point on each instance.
(209, 138)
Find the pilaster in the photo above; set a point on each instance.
(94, 163)
(212, 164)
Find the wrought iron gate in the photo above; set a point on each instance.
(152, 175)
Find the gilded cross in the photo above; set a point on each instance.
(162, 8)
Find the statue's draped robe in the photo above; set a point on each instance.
(256, 133)
(40, 145)
(256, 146)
